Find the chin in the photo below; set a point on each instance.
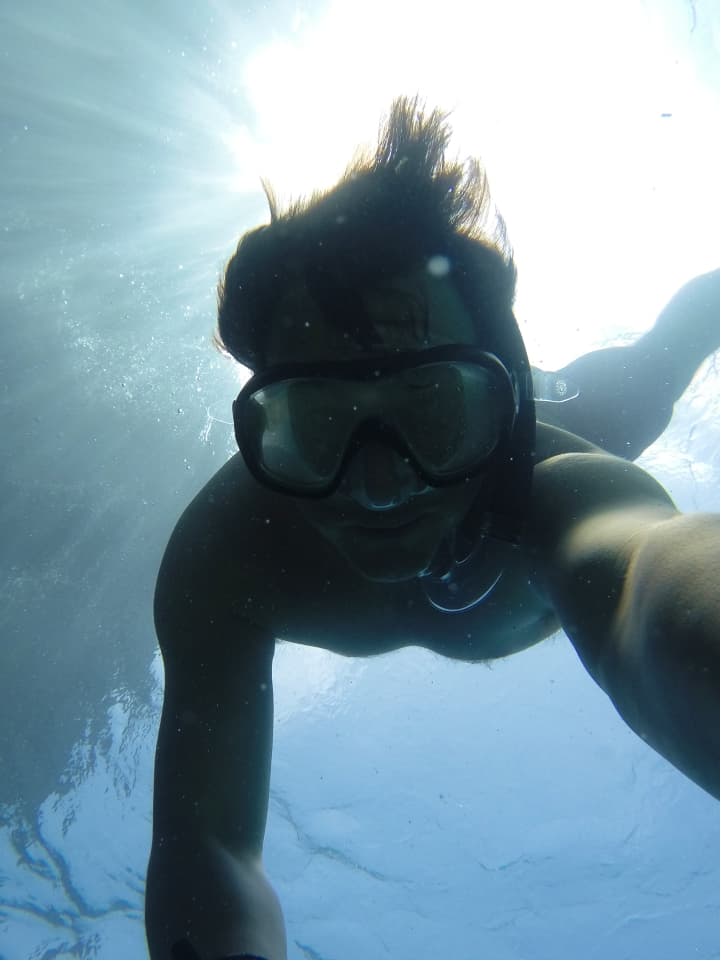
(387, 562)
(395, 575)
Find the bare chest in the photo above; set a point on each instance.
(307, 594)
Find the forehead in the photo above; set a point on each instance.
(414, 310)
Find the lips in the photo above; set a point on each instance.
(387, 525)
(394, 519)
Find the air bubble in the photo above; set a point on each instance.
(438, 266)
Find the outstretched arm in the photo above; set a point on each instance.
(685, 333)
(621, 398)
(207, 894)
(636, 587)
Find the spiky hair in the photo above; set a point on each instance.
(392, 211)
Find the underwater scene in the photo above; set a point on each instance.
(420, 806)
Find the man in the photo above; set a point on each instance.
(394, 489)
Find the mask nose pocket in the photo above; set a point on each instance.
(379, 478)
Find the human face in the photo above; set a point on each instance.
(383, 518)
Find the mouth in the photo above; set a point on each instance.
(387, 526)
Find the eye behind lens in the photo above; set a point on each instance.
(457, 420)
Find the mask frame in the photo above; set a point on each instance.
(373, 368)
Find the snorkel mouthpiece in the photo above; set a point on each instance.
(464, 573)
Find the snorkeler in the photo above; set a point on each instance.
(393, 488)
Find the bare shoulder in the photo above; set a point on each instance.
(231, 516)
(243, 558)
(216, 566)
(573, 485)
(587, 511)
(573, 481)
(551, 441)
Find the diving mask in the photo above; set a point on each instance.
(447, 410)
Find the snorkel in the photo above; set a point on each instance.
(470, 562)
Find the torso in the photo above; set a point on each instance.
(269, 567)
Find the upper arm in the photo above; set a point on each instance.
(636, 586)
(206, 882)
(589, 513)
(214, 745)
(686, 331)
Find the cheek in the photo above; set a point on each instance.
(323, 513)
(458, 499)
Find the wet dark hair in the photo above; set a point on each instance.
(391, 212)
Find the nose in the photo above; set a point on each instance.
(379, 478)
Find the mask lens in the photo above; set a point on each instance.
(302, 427)
(453, 417)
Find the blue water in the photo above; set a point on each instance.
(420, 808)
